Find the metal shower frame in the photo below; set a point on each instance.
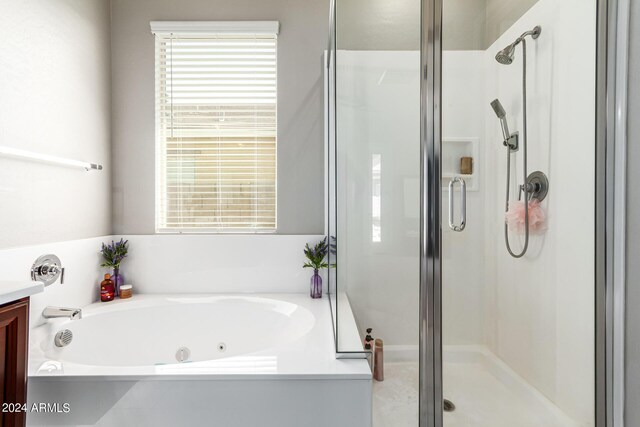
(609, 186)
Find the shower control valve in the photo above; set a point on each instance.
(536, 187)
(47, 269)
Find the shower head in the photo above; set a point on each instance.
(502, 115)
(505, 56)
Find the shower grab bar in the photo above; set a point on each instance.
(46, 158)
(463, 202)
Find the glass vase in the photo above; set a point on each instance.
(118, 280)
(316, 285)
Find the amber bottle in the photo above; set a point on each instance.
(107, 289)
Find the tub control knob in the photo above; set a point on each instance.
(47, 269)
(183, 354)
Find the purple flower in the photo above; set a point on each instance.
(114, 253)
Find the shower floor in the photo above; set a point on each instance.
(485, 392)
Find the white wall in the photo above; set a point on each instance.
(542, 316)
(209, 263)
(55, 99)
(301, 42)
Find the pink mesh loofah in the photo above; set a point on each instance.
(515, 217)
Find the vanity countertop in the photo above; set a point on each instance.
(14, 290)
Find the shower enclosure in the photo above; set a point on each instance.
(492, 304)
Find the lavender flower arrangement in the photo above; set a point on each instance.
(114, 253)
(316, 255)
(315, 259)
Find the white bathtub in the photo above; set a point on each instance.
(240, 360)
(143, 334)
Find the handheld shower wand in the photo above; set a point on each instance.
(510, 140)
(502, 115)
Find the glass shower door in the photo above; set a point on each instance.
(517, 234)
(374, 194)
(461, 187)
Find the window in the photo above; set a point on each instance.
(216, 126)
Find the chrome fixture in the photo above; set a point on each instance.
(63, 338)
(183, 354)
(463, 202)
(56, 312)
(47, 269)
(448, 406)
(538, 186)
(502, 115)
(505, 57)
(510, 139)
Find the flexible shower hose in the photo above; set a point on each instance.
(524, 168)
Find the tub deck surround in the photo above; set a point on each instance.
(245, 336)
(278, 367)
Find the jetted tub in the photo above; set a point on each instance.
(227, 360)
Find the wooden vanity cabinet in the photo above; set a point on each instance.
(14, 339)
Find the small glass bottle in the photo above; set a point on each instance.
(117, 280)
(316, 285)
(107, 289)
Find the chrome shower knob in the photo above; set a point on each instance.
(538, 186)
(47, 269)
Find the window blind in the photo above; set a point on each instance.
(216, 131)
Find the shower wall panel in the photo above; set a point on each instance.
(541, 314)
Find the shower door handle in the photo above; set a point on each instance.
(463, 202)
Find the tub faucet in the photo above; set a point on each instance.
(54, 312)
